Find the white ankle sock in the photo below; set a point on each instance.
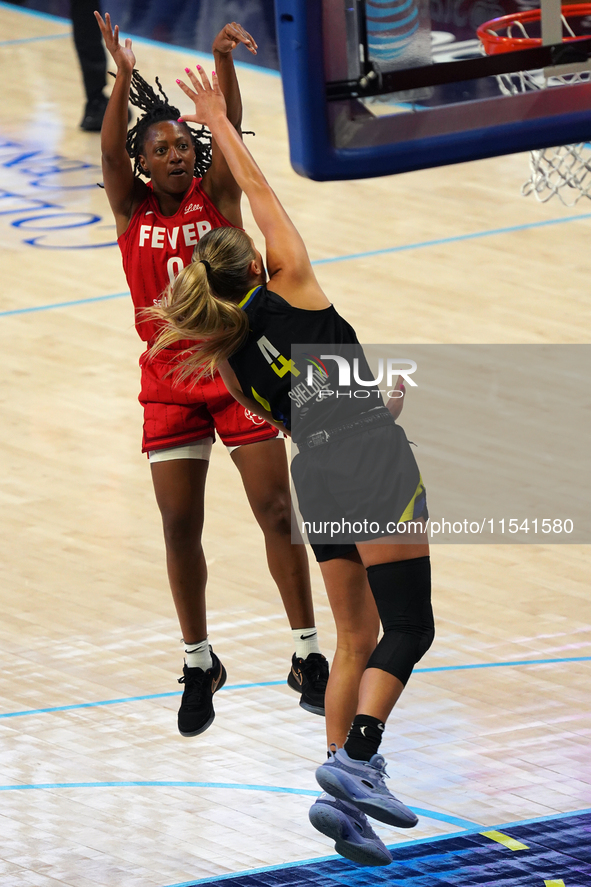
(306, 641)
(198, 655)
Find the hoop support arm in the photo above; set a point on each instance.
(574, 52)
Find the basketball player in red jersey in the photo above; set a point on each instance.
(190, 191)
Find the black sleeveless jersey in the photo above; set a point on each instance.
(281, 363)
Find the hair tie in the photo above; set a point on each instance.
(207, 266)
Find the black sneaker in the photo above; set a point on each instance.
(308, 677)
(196, 713)
(94, 113)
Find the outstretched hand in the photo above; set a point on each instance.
(230, 36)
(122, 55)
(207, 97)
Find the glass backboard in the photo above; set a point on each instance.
(374, 87)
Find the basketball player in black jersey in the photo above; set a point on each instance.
(245, 324)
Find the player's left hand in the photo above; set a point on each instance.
(207, 97)
(230, 36)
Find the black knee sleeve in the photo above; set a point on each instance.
(402, 591)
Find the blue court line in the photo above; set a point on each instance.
(40, 711)
(346, 258)
(62, 304)
(422, 244)
(303, 862)
(445, 817)
(252, 686)
(164, 783)
(135, 38)
(504, 664)
(35, 39)
(169, 783)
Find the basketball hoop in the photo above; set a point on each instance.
(564, 171)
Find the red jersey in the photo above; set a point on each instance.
(156, 247)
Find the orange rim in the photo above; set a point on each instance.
(495, 43)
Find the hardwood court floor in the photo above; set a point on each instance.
(97, 787)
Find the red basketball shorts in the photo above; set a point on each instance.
(178, 413)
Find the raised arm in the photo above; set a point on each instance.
(218, 182)
(124, 190)
(288, 263)
(233, 385)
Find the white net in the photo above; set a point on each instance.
(563, 171)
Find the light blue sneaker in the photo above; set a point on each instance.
(361, 783)
(348, 827)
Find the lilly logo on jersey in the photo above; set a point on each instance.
(192, 208)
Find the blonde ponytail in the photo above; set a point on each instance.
(201, 305)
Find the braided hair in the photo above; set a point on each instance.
(157, 108)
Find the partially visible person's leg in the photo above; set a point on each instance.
(400, 580)
(179, 484)
(264, 471)
(357, 625)
(180, 490)
(259, 454)
(93, 61)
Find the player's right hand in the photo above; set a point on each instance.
(230, 36)
(122, 55)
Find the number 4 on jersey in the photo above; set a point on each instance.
(270, 353)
